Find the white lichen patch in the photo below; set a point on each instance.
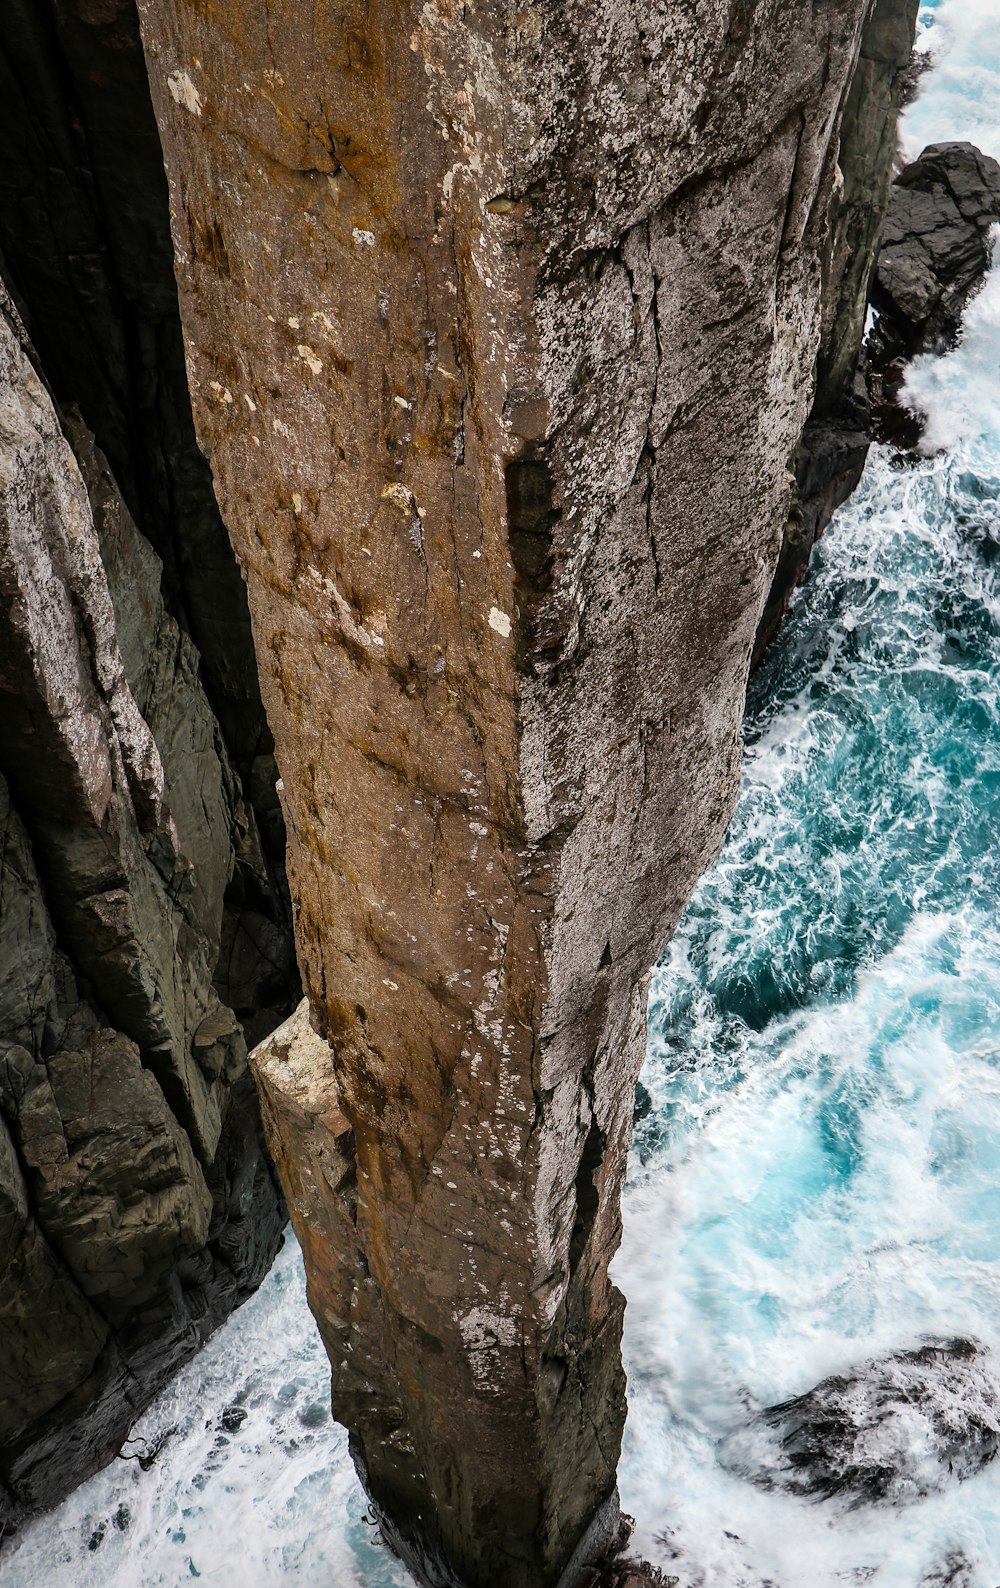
(500, 621)
(308, 356)
(184, 92)
(363, 238)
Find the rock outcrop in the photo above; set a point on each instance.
(501, 331)
(897, 1429)
(138, 1206)
(936, 247)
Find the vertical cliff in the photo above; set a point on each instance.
(139, 1208)
(834, 446)
(142, 915)
(501, 328)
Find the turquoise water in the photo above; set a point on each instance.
(818, 1179)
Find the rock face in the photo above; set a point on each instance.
(898, 1429)
(834, 447)
(935, 251)
(501, 327)
(138, 1208)
(934, 248)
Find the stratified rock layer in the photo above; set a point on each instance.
(501, 326)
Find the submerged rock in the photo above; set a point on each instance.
(899, 1428)
(957, 1571)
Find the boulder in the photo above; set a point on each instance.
(896, 1429)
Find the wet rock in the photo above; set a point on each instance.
(898, 1429)
(957, 1571)
(935, 250)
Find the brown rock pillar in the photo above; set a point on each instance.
(500, 324)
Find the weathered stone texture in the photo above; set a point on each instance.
(124, 1241)
(936, 248)
(834, 447)
(501, 326)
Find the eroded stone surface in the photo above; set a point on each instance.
(136, 1208)
(501, 326)
(935, 250)
(834, 447)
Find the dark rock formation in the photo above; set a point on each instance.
(957, 1571)
(85, 240)
(831, 455)
(501, 331)
(935, 251)
(896, 1430)
(137, 1205)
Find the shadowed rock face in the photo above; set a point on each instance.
(834, 447)
(501, 327)
(137, 1207)
(935, 243)
(936, 248)
(143, 920)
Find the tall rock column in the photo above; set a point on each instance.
(500, 328)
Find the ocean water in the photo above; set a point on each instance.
(817, 1181)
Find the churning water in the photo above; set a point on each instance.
(817, 1181)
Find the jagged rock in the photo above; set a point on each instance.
(85, 242)
(128, 1171)
(957, 1571)
(934, 247)
(896, 1430)
(501, 329)
(935, 250)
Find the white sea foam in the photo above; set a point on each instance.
(960, 392)
(819, 1179)
(961, 96)
(272, 1498)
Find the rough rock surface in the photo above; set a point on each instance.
(136, 1207)
(898, 1429)
(501, 326)
(85, 242)
(831, 454)
(935, 250)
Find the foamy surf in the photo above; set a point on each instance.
(817, 1184)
